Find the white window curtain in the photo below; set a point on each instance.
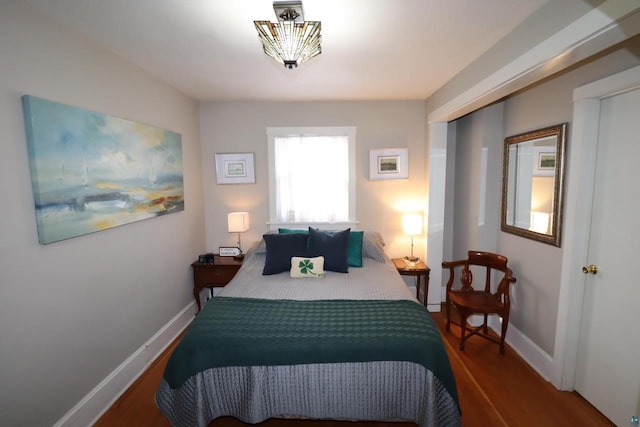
(312, 178)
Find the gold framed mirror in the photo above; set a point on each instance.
(532, 184)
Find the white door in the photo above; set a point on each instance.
(608, 364)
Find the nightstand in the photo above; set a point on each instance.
(418, 270)
(214, 275)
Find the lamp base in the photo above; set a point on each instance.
(411, 258)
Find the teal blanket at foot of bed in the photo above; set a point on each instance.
(259, 332)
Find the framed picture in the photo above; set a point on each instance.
(235, 168)
(389, 163)
(545, 161)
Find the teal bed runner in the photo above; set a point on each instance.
(259, 332)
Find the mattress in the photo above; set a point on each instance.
(223, 371)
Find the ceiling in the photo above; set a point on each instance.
(371, 49)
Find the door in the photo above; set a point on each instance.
(608, 364)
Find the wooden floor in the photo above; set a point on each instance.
(494, 391)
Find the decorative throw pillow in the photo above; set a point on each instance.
(373, 246)
(354, 247)
(280, 249)
(261, 247)
(332, 246)
(293, 230)
(307, 267)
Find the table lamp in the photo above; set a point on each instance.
(238, 222)
(412, 225)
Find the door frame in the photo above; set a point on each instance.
(579, 191)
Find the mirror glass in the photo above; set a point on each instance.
(532, 184)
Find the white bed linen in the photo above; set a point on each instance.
(374, 281)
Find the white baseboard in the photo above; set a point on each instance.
(94, 405)
(535, 357)
(434, 308)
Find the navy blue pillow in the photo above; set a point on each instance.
(354, 248)
(280, 249)
(332, 246)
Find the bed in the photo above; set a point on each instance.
(346, 346)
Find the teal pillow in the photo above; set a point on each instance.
(293, 230)
(354, 247)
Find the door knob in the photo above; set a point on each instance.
(590, 269)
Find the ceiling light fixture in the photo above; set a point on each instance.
(292, 40)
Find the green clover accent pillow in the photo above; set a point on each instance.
(307, 267)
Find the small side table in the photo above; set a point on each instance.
(216, 275)
(418, 270)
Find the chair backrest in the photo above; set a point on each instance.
(490, 261)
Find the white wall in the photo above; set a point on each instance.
(537, 266)
(549, 103)
(232, 127)
(72, 311)
(476, 211)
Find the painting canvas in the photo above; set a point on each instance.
(91, 171)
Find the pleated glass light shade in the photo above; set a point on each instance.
(290, 43)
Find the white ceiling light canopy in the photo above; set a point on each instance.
(292, 40)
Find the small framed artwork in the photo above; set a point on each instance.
(235, 168)
(389, 163)
(545, 162)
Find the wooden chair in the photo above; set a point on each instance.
(468, 300)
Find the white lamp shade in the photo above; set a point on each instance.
(238, 222)
(412, 223)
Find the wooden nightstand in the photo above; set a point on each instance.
(418, 270)
(214, 275)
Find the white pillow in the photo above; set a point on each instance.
(307, 267)
(373, 246)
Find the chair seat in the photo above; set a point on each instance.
(480, 302)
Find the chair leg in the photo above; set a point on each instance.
(486, 324)
(503, 333)
(463, 330)
(448, 307)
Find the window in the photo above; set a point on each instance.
(311, 175)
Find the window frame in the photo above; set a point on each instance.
(350, 133)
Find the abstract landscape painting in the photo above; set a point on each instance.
(91, 171)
